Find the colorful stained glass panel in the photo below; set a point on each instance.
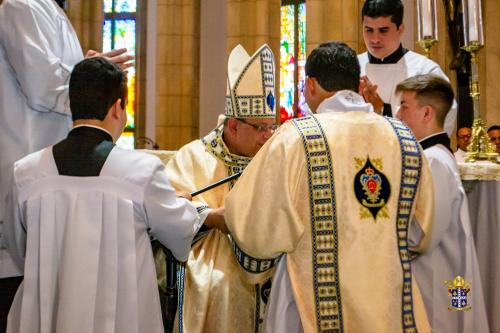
(108, 4)
(291, 58)
(106, 36)
(125, 6)
(287, 60)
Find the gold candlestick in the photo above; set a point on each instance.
(426, 43)
(480, 148)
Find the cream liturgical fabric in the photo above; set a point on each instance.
(358, 278)
(215, 297)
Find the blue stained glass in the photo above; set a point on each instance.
(107, 6)
(106, 36)
(125, 6)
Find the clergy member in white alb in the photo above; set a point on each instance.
(386, 63)
(81, 215)
(38, 49)
(425, 101)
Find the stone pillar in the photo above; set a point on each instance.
(328, 20)
(490, 64)
(252, 23)
(177, 75)
(87, 17)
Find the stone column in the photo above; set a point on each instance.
(177, 74)
(87, 18)
(328, 20)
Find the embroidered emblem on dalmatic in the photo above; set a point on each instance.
(323, 224)
(372, 189)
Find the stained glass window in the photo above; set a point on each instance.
(292, 58)
(119, 31)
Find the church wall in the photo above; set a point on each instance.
(177, 74)
(251, 23)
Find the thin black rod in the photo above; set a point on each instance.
(220, 182)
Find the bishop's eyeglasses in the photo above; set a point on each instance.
(261, 128)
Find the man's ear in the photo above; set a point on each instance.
(232, 125)
(311, 84)
(117, 109)
(429, 113)
(401, 29)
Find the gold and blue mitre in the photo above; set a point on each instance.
(250, 84)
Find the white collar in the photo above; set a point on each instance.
(93, 126)
(433, 134)
(344, 101)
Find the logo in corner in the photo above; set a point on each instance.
(458, 289)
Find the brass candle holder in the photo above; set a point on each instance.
(480, 148)
(427, 43)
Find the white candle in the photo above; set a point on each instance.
(473, 20)
(427, 22)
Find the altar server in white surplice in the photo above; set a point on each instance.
(386, 63)
(38, 49)
(425, 101)
(331, 197)
(81, 214)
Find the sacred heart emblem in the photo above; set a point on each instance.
(372, 188)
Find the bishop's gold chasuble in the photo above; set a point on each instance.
(338, 193)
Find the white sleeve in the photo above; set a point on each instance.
(445, 195)
(173, 221)
(30, 32)
(14, 229)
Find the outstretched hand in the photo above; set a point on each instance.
(215, 219)
(117, 56)
(369, 92)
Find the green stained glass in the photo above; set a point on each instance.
(121, 33)
(287, 58)
(290, 59)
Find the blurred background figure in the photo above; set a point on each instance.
(463, 141)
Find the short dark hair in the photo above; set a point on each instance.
(383, 8)
(335, 66)
(95, 84)
(492, 128)
(430, 90)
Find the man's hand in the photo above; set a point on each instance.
(369, 92)
(184, 195)
(117, 56)
(215, 219)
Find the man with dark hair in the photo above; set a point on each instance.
(386, 63)
(38, 49)
(494, 134)
(346, 184)
(464, 135)
(80, 217)
(425, 101)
